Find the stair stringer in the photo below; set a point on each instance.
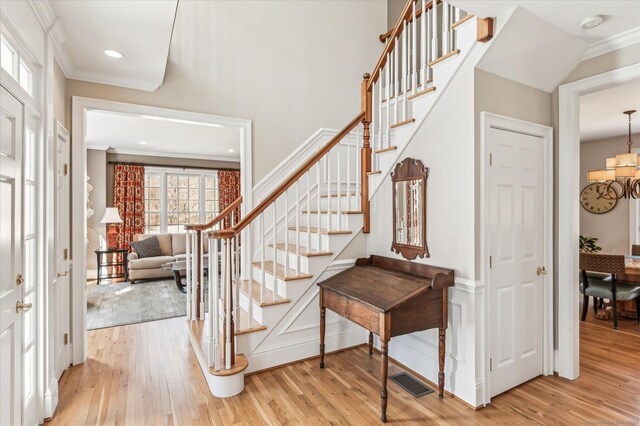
(295, 335)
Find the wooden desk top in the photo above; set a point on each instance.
(384, 283)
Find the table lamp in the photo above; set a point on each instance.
(111, 216)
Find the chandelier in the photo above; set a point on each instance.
(621, 177)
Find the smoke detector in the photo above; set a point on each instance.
(591, 22)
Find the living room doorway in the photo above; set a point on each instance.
(148, 172)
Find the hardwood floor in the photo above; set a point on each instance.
(146, 374)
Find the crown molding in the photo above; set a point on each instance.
(149, 153)
(618, 41)
(54, 28)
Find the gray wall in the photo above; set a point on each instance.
(612, 228)
(96, 170)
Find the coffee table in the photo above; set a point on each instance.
(178, 268)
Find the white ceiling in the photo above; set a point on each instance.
(601, 112)
(166, 138)
(140, 29)
(620, 16)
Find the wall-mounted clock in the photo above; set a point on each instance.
(593, 201)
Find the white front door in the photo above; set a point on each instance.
(516, 235)
(61, 292)
(11, 270)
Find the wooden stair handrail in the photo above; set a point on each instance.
(213, 222)
(253, 214)
(419, 12)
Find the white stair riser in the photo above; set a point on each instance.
(313, 239)
(338, 204)
(292, 257)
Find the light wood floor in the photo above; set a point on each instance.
(146, 374)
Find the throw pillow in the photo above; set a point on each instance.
(149, 247)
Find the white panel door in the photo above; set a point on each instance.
(61, 291)
(516, 233)
(11, 265)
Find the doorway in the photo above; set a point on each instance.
(157, 173)
(568, 317)
(516, 235)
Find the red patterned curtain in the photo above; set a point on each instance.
(229, 189)
(128, 197)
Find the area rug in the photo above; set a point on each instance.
(110, 305)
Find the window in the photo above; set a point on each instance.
(15, 65)
(175, 199)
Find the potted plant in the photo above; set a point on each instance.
(589, 244)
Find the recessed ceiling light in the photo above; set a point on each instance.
(231, 150)
(591, 22)
(143, 142)
(113, 54)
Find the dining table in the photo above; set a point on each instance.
(627, 308)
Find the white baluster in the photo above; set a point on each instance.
(210, 299)
(414, 74)
(404, 63)
(349, 172)
(297, 228)
(396, 82)
(188, 268)
(214, 302)
(434, 31)
(387, 78)
(423, 45)
(286, 230)
(445, 28)
(274, 252)
(359, 163)
(373, 118)
(339, 185)
(263, 237)
(328, 166)
(201, 286)
(380, 116)
(236, 280)
(228, 308)
(194, 275)
(318, 172)
(308, 174)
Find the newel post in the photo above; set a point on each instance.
(365, 155)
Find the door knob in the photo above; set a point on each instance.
(63, 274)
(541, 271)
(19, 279)
(23, 307)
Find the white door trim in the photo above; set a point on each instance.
(487, 121)
(634, 220)
(80, 106)
(569, 213)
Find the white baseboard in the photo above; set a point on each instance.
(269, 357)
(50, 399)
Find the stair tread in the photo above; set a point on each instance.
(255, 294)
(290, 274)
(319, 230)
(402, 123)
(304, 251)
(342, 194)
(374, 172)
(423, 92)
(383, 150)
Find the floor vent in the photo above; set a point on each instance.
(411, 385)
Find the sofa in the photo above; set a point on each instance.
(173, 246)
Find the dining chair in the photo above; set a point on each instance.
(606, 286)
(635, 250)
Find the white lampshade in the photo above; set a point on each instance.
(111, 215)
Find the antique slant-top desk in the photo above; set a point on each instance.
(389, 297)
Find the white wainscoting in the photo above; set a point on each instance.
(419, 351)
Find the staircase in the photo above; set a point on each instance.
(262, 269)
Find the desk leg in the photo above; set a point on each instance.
(322, 324)
(125, 265)
(441, 362)
(384, 372)
(370, 343)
